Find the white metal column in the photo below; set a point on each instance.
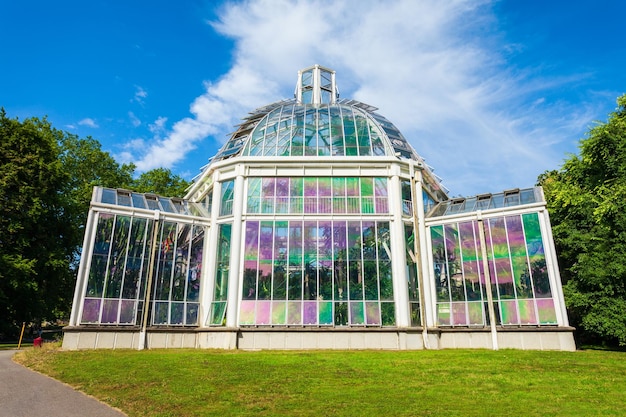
(232, 313)
(398, 253)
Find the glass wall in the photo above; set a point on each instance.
(517, 266)
(177, 274)
(312, 195)
(120, 262)
(321, 273)
(412, 275)
(217, 312)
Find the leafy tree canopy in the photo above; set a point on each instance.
(46, 181)
(587, 203)
(160, 181)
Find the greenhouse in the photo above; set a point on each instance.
(318, 226)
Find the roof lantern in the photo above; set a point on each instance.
(316, 85)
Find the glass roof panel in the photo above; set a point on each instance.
(126, 198)
(510, 198)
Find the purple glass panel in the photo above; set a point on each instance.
(282, 187)
(109, 311)
(91, 310)
(269, 187)
(309, 312)
(266, 240)
(127, 311)
(459, 315)
(547, 314)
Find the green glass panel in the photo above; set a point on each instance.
(455, 273)
(536, 255)
(279, 312)
(336, 132)
(363, 138)
(223, 263)
(500, 261)
(310, 132)
(444, 314)
(508, 312)
(470, 248)
(388, 314)
(517, 244)
(325, 312)
(527, 314)
(357, 312)
(294, 312)
(475, 313)
(367, 187)
(324, 137)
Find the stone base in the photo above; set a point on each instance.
(537, 338)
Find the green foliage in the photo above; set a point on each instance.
(587, 203)
(35, 235)
(160, 181)
(46, 182)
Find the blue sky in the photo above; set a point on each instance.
(490, 93)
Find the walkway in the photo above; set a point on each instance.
(25, 393)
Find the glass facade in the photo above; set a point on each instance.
(517, 274)
(317, 273)
(317, 195)
(123, 256)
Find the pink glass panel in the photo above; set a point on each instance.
(263, 312)
(246, 313)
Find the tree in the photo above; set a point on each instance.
(587, 203)
(34, 232)
(160, 181)
(46, 181)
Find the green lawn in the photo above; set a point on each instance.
(345, 383)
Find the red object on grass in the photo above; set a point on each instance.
(38, 342)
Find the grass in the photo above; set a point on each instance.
(345, 383)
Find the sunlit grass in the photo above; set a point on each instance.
(350, 383)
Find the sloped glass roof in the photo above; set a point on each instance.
(510, 198)
(125, 198)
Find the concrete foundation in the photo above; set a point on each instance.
(539, 338)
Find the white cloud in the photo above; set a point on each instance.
(140, 95)
(134, 119)
(88, 122)
(158, 126)
(436, 69)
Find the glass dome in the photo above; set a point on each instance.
(316, 123)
